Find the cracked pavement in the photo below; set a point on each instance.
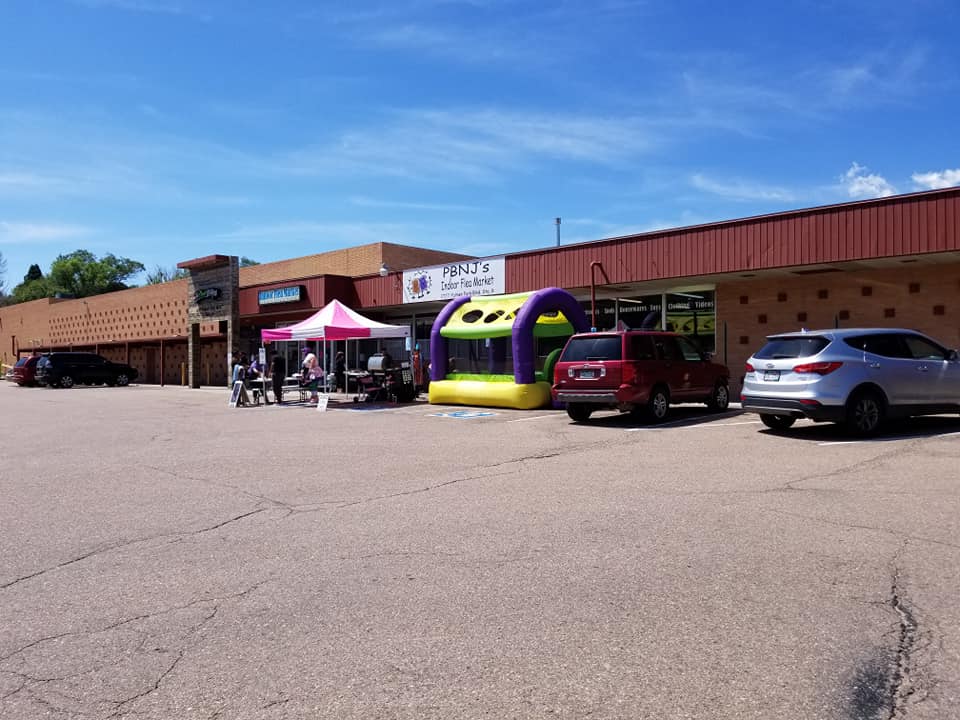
(165, 556)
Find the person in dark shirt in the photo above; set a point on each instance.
(340, 370)
(278, 371)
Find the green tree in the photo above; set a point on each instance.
(162, 275)
(247, 262)
(32, 290)
(81, 274)
(34, 273)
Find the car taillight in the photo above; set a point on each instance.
(749, 367)
(820, 368)
(628, 373)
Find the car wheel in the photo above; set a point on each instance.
(659, 404)
(579, 412)
(123, 380)
(66, 381)
(720, 398)
(777, 422)
(865, 413)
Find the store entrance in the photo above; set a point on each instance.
(689, 312)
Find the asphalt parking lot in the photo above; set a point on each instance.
(165, 556)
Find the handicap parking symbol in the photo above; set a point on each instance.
(464, 414)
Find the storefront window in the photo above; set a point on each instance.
(693, 314)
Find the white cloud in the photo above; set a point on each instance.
(320, 234)
(741, 190)
(936, 180)
(479, 146)
(21, 180)
(24, 232)
(145, 6)
(859, 183)
(362, 201)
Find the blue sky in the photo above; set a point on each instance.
(163, 130)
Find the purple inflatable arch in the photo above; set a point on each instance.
(524, 363)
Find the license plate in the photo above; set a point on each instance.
(771, 375)
(589, 374)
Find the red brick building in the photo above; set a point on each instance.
(886, 262)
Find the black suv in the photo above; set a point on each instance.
(66, 369)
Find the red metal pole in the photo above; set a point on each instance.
(593, 296)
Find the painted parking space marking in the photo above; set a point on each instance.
(537, 417)
(463, 414)
(892, 438)
(712, 425)
(689, 426)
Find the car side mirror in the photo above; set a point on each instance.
(953, 356)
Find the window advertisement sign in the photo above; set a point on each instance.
(279, 295)
(486, 276)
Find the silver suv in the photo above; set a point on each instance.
(858, 377)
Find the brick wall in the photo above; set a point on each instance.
(924, 298)
(351, 262)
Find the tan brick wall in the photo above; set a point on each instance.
(351, 262)
(924, 298)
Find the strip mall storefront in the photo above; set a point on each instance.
(886, 262)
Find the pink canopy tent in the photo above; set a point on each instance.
(336, 321)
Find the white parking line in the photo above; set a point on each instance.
(929, 436)
(537, 417)
(695, 426)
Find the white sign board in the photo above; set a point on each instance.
(322, 400)
(486, 276)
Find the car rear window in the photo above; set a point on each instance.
(601, 347)
(21, 362)
(788, 348)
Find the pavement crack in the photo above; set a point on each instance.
(156, 686)
(127, 543)
(134, 619)
(901, 683)
(275, 703)
(418, 491)
(857, 526)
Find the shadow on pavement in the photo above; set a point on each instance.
(894, 430)
(680, 416)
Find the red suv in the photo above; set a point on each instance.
(636, 371)
(25, 371)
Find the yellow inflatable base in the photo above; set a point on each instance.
(490, 394)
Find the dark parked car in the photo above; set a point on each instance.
(66, 369)
(25, 371)
(636, 371)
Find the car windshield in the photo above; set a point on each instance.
(782, 348)
(21, 362)
(600, 347)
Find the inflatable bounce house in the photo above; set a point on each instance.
(495, 319)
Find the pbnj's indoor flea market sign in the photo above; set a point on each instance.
(445, 282)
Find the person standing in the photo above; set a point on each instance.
(278, 371)
(340, 371)
(311, 371)
(237, 371)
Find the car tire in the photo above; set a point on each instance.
(719, 399)
(865, 413)
(122, 380)
(658, 406)
(66, 381)
(777, 422)
(579, 412)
